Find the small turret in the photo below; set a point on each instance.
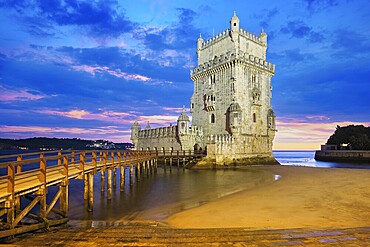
(147, 127)
(200, 42)
(263, 37)
(234, 23)
(183, 122)
(135, 128)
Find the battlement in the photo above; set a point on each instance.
(229, 57)
(220, 139)
(158, 132)
(216, 38)
(170, 131)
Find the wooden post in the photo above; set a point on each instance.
(63, 205)
(94, 162)
(82, 165)
(109, 184)
(137, 173)
(42, 191)
(73, 158)
(86, 186)
(131, 174)
(113, 170)
(90, 203)
(102, 171)
(183, 159)
(9, 204)
(19, 166)
(122, 178)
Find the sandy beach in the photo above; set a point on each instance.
(304, 197)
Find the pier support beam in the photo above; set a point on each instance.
(122, 178)
(102, 180)
(109, 184)
(86, 186)
(131, 174)
(90, 202)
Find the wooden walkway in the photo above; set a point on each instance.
(29, 175)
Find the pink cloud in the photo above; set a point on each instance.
(175, 109)
(107, 116)
(117, 72)
(8, 94)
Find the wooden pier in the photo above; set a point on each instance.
(24, 187)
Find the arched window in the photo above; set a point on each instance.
(213, 118)
(254, 117)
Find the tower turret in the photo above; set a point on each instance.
(183, 123)
(135, 128)
(200, 42)
(234, 23)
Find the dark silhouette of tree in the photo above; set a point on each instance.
(356, 136)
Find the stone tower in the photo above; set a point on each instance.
(231, 99)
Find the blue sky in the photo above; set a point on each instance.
(88, 69)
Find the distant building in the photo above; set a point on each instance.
(232, 118)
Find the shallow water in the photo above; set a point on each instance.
(306, 158)
(159, 195)
(162, 194)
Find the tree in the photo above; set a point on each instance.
(356, 136)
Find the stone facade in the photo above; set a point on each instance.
(232, 117)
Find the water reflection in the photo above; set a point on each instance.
(159, 195)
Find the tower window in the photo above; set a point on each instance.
(234, 24)
(192, 105)
(213, 118)
(254, 117)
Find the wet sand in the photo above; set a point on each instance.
(303, 197)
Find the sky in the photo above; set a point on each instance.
(88, 69)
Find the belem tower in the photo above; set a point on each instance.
(232, 118)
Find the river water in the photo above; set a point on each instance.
(159, 195)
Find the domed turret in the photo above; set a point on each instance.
(234, 23)
(183, 122)
(263, 37)
(200, 42)
(147, 126)
(135, 128)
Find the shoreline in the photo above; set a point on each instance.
(304, 197)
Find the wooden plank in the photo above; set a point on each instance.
(25, 211)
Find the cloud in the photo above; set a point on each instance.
(298, 29)
(176, 36)
(106, 116)
(97, 17)
(114, 72)
(316, 5)
(348, 44)
(17, 94)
